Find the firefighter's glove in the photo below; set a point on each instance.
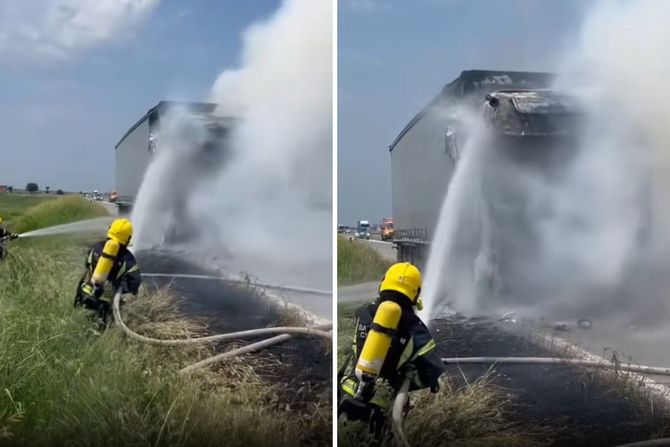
(92, 290)
(14, 236)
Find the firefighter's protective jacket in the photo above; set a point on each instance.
(125, 272)
(411, 346)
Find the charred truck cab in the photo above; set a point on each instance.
(425, 153)
(198, 141)
(532, 136)
(200, 127)
(527, 123)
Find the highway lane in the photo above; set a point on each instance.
(111, 208)
(385, 248)
(357, 292)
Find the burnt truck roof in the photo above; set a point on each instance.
(476, 84)
(525, 112)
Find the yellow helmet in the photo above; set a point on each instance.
(405, 278)
(120, 231)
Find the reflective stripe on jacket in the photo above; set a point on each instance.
(125, 270)
(412, 346)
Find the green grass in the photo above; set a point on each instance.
(65, 384)
(13, 205)
(356, 262)
(345, 329)
(476, 414)
(58, 211)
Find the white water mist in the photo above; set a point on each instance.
(182, 160)
(447, 279)
(99, 224)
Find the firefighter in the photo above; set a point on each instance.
(5, 235)
(108, 262)
(391, 343)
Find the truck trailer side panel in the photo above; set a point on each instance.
(132, 159)
(421, 169)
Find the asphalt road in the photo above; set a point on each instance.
(368, 290)
(111, 208)
(358, 292)
(384, 248)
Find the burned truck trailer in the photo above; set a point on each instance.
(139, 145)
(518, 110)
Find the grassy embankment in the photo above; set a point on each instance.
(58, 211)
(475, 414)
(62, 383)
(356, 262)
(13, 205)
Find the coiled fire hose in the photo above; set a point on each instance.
(397, 413)
(401, 397)
(286, 333)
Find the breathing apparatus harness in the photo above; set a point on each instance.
(92, 288)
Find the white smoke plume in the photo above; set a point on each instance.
(273, 201)
(50, 30)
(602, 225)
(265, 207)
(608, 230)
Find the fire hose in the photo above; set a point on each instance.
(286, 333)
(628, 367)
(241, 281)
(402, 395)
(397, 413)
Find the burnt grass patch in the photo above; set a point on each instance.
(299, 369)
(582, 407)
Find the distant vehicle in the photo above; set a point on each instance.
(387, 229)
(113, 196)
(341, 228)
(363, 229)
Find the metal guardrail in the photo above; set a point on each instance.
(413, 234)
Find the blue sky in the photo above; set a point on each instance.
(60, 118)
(395, 56)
